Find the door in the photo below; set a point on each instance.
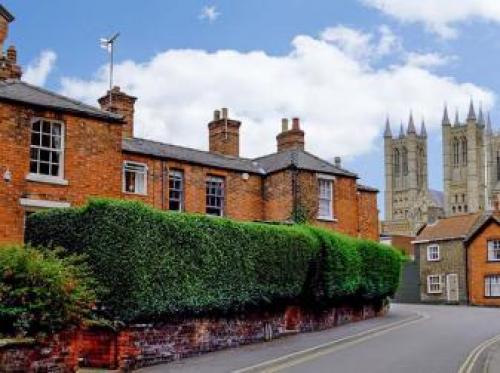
(452, 287)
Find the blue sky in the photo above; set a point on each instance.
(339, 65)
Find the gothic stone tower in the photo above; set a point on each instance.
(406, 181)
(464, 163)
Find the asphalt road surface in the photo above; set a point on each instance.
(411, 339)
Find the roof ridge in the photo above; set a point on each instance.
(192, 149)
(54, 94)
(329, 163)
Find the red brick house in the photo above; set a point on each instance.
(58, 152)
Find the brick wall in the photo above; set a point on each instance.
(368, 215)
(92, 164)
(479, 267)
(243, 198)
(57, 353)
(144, 345)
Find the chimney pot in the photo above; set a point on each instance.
(296, 123)
(338, 161)
(224, 113)
(284, 125)
(217, 115)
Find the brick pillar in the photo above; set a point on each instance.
(290, 139)
(119, 102)
(224, 134)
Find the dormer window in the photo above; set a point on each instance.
(47, 148)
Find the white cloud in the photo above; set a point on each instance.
(341, 97)
(360, 45)
(428, 59)
(38, 71)
(209, 13)
(439, 16)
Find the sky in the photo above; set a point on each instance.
(341, 66)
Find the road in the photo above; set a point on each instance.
(411, 339)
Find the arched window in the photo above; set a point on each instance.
(420, 167)
(397, 165)
(456, 152)
(405, 162)
(453, 209)
(464, 151)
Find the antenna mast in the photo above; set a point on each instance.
(109, 45)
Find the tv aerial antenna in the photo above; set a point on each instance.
(109, 45)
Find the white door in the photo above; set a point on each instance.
(452, 287)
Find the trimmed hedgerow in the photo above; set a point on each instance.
(41, 292)
(380, 269)
(155, 263)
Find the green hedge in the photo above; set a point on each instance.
(157, 263)
(40, 292)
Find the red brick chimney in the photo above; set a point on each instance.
(119, 102)
(292, 138)
(224, 134)
(9, 69)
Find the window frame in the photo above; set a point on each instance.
(145, 175)
(37, 176)
(488, 286)
(439, 284)
(491, 250)
(222, 208)
(171, 173)
(331, 181)
(430, 258)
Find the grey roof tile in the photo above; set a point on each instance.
(181, 153)
(22, 92)
(302, 160)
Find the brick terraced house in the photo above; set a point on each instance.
(57, 152)
(459, 260)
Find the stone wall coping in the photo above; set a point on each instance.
(16, 342)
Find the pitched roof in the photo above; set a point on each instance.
(263, 165)
(302, 160)
(181, 153)
(366, 188)
(22, 92)
(481, 222)
(454, 227)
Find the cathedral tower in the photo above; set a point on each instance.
(464, 162)
(406, 181)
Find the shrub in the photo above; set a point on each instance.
(41, 292)
(380, 269)
(156, 263)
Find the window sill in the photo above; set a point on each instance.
(46, 179)
(435, 292)
(135, 194)
(433, 260)
(323, 218)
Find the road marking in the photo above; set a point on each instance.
(303, 356)
(471, 360)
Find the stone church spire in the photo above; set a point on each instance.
(480, 118)
(411, 125)
(388, 132)
(423, 130)
(457, 119)
(401, 131)
(446, 118)
(489, 129)
(471, 116)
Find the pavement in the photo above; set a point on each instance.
(410, 339)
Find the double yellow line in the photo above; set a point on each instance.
(296, 358)
(468, 365)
